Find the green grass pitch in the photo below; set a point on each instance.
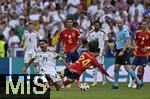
(103, 92)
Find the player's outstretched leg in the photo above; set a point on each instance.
(132, 73)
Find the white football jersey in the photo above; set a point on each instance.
(101, 36)
(46, 60)
(31, 40)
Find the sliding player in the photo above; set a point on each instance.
(87, 59)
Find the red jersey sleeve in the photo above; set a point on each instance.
(96, 63)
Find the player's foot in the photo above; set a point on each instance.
(104, 82)
(130, 84)
(114, 87)
(68, 86)
(134, 85)
(139, 86)
(94, 84)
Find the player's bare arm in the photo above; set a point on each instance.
(28, 64)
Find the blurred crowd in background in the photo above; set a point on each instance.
(49, 16)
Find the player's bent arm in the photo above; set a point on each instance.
(30, 62)
(126, 44)
(134, 44)
(65, 63)
(22, 43)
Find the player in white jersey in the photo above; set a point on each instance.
(46, 58)
(30, 40)
(102, 38)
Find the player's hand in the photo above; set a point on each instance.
(21, 44)
(24, 70)
(121, 53)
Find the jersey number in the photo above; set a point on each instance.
(85, 62)
(45, 59)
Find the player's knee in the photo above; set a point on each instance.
(140, 69)
(116, 69)
(133, 67)
(60, 84)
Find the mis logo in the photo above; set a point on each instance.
(23, 86)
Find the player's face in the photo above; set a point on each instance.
(69, 23)
(143, 25)
(120, 24)
(97, 26)
(43, 46)
(31, 27)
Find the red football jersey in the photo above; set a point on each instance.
(86, 60)
(70, 38)
(142, 42)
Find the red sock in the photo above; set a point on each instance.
(140, 75)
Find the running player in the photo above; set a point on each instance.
(30, 39)
(141, 51)
(102, 38)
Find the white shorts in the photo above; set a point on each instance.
(27, 57)
(52, 74)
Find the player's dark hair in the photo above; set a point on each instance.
(69, 18)
(84, 40)
(2, 37)
(96, 21)
(43, 40)
(93, 46)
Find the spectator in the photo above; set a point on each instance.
(121, 4)
(13, 42)
(3, 46)
(140, 7)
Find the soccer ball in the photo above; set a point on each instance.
(84, 86)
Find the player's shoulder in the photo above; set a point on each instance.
(88, 54)
(91, 31)
(75, 29)
(138, 31)
(38, 50)
(35, 31)
(63, 30)
(102, 31)
(26, 31)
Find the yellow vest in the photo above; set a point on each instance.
(2, 49)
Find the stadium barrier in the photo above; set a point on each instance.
(14, 66)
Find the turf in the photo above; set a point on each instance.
(103, 92)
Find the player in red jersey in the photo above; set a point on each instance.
(70, 37)
(87, 59)
(140, 44)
